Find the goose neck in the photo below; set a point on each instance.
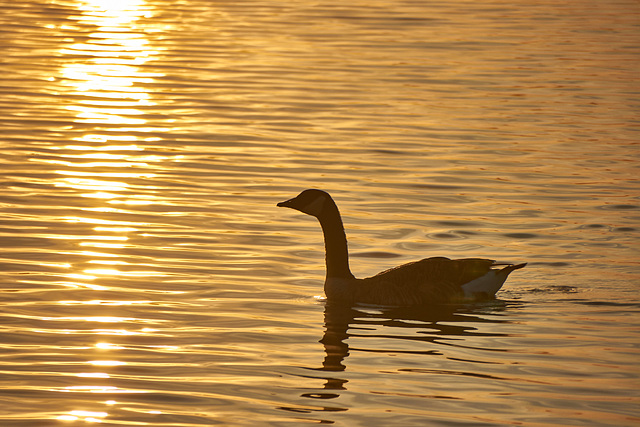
(335, 242)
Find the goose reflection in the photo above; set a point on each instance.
(438, 325)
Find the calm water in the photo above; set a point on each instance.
(148, 278)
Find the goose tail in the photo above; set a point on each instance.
(509, 268)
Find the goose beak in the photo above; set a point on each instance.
(285, 204)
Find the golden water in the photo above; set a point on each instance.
(149, 279)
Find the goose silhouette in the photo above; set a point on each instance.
(428, 281)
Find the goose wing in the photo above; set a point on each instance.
(428, 281)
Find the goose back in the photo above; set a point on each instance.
(429, 281)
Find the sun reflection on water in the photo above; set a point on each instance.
(105, 72)
(88, 416)
(110, 97)
(109, 84)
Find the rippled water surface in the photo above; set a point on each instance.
(149, 279)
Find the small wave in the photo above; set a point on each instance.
(555, 289)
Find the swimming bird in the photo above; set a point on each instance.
(428, 281)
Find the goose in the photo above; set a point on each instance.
(433, 280)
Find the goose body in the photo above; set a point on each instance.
(428, 281)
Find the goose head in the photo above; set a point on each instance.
(312, 202)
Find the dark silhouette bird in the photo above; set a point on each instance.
(428, 281)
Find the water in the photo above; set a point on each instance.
(149, 279)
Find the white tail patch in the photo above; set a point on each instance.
(488, 284)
